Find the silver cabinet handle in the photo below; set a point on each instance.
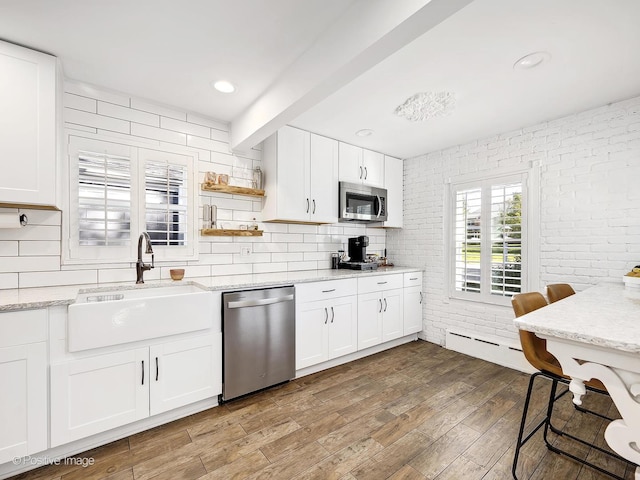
(365, 173)
(307, 205)
(361, 172)
(385, 304)
(314, 206)
(142, 372)
(381, 283)
(414, 278)
(326, 315)
(420, 298)
(329, 291)
(380, 300)
(157, 370)
(257, 303)
(333, 314)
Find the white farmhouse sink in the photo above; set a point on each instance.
(100, 319)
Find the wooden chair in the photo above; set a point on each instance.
(558, 291)
(535, 351)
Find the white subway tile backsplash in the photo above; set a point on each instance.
(185, 127)
(80, 103)
(69, 277)
(236, 269)
(270, 267)
(129, 114)
(208, 144)
(97, 121)
(207, 122)
(31, 232)
(34, 248)
(158, 134)
(8, 248)
(8, 280)
(145, 106)
(95, 93)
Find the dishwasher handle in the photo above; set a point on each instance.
(260, 302)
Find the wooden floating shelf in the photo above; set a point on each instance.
(224, 232)
(211, 187)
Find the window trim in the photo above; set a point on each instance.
(530, 176)
(74, 254)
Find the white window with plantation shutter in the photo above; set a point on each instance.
(117, 191)
(489, 242)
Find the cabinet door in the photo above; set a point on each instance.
(28, 126)
(392, 318)
(393, 182)
(343, 326)
(95, 394)
(412, 310)
(373, 168)
(184, 372)
(350, 163)
(324, 179)
(312, 324)
(369, 320)
(293, 182)
(23, 402)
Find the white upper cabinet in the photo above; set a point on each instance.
(301, 181)
(27, 127)
(358, 165)
(395, 192)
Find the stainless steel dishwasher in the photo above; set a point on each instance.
(258, 328)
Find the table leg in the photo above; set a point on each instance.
(576, 386)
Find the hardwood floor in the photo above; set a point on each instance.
(417, 411)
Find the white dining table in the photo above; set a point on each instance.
(596, 334)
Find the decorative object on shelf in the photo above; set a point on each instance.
(209, 216)
(176, 273)
(13, 220)
(254, 225)
(211, 177)
(226, 232)
(257, 178)
(223, 179)
(425, 105)
(209, 187)
(632, 279)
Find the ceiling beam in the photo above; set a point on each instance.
(367, 33)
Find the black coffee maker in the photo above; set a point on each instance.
(358, 248)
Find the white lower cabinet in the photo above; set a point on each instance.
(413, 299)
(94, 394)
(380, 309)
(23, 375)
(380, 317)
(325, 328)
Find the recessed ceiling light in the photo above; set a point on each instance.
(224, 86)
(532, 60)
(364, 133)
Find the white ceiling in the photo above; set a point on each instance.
(169, 52)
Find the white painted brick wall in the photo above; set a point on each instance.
(590, 208)
(31, 256)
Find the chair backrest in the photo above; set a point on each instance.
(534, 348)
(558, 291)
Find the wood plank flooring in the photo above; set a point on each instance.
(417, 411)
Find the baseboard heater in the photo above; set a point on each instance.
(491, 349)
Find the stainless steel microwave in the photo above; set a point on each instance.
(361, 203)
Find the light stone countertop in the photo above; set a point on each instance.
(607, 315)
(30, 298)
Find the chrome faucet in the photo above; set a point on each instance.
(141, 267)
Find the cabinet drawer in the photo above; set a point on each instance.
(22, 327)
(377, 283)
(413, 279)
(310, 292)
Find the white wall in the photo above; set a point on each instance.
(31, 256)
(589, 207)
